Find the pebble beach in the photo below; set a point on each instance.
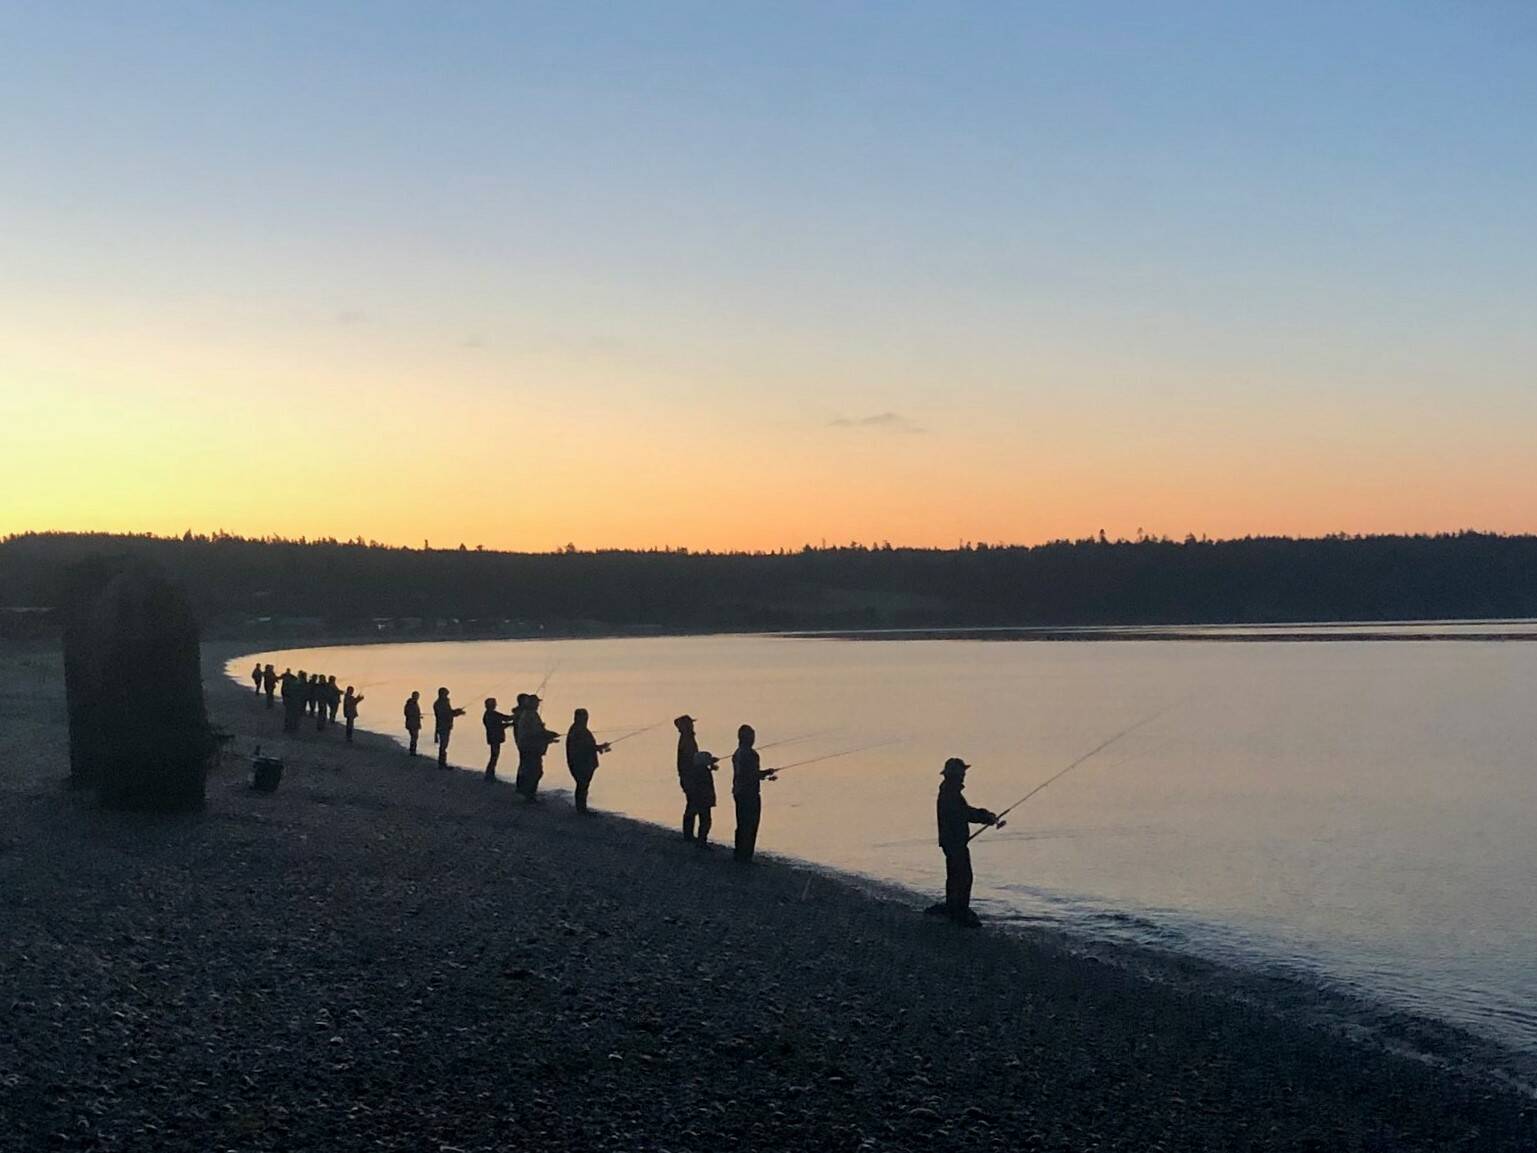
(385, 956)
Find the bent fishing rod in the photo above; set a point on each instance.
(999, 822)
(496, 690)
(540, 690)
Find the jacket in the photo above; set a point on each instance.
(746, 775)
(955, 816)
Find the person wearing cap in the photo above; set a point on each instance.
(350, 702)
(443, 714)
(496, 733)
(534, 740)
(747, 777)
(699, 792)
(955, 820)
(582, 749)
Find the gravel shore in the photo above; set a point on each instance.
(385, 956)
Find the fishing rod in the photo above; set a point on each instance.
(999, 822)
(540, 690)
(908, 842)
(844, 753)
(496, 689)
(796, 739)
(632, 733)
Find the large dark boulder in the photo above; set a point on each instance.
(138, 727)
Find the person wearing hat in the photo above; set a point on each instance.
(747, 777)
(534, 740)
(496, 733)
(582, 749)
(955, 820)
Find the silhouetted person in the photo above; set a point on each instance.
(256, 679)
(321, 697)
(747, 777)
(496, 734)
(582, 749)
(413, 711)
(293, 700)
(699, 794)
(309, 691)
(688, 745)
(350, 703)
(955, 820)
(269, 683)
(333, 697)
(534, 740)
(443, 713)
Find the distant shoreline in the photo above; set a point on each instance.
(1207, 634)
(1322, 632)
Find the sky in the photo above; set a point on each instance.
(756, 275)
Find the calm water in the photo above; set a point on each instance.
(1362, 811)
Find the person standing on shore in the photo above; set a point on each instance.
(443, 713)
(293, 700)
(322, 702)
(688, 745)
(269, 683)
(582, 749)
(956, 817)
(496, 734)
(699, 794)
(534, 740)
(256, 679)
(413, 711)
(747, 777)
(350, 704)
(333, 697)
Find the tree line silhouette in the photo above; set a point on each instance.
(239, 585)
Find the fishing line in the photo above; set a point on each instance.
(844, 753)
(633, 733)
(1057, 776)
(796, 739)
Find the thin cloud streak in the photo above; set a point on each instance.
(878, 422)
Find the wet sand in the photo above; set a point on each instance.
(386, 956)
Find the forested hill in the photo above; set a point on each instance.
(245, 586)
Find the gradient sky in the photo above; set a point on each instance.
(729, 275)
